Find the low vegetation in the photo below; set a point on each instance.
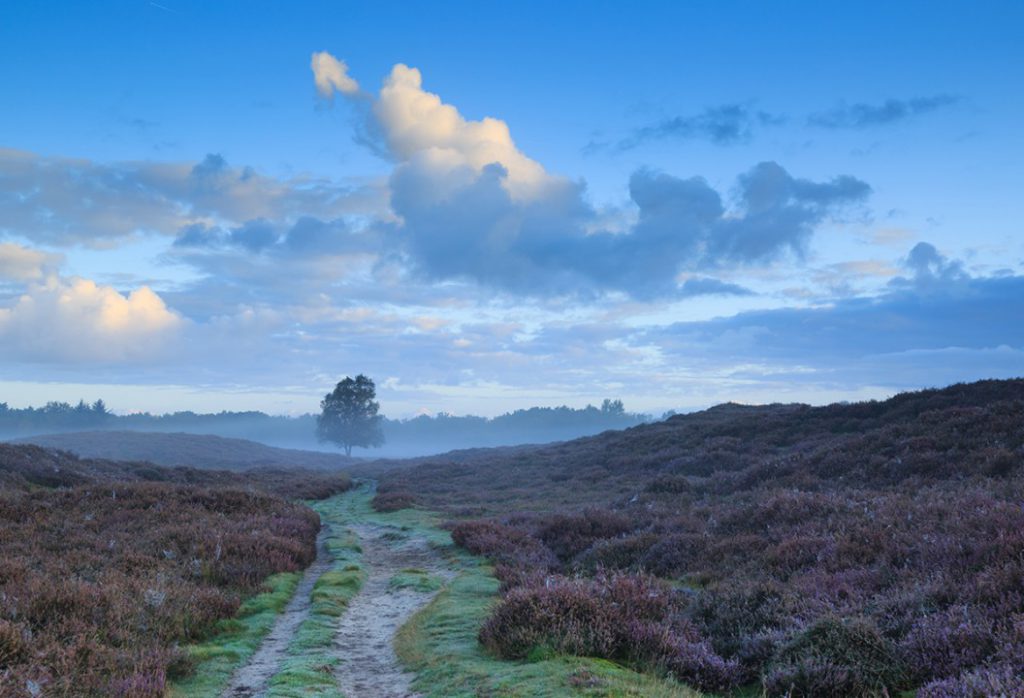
(858, 550)
(195, 450)
(440, 643)
(206, 667)
(308, 670)
(108, 568)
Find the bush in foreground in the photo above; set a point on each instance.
(620, 617)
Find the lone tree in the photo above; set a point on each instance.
(348, 415)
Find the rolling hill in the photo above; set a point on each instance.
(194, 450)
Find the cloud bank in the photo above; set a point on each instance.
(66, 201)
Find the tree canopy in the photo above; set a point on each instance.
(348, 415)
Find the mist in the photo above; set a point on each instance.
(404, 438)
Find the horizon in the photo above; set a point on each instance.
(650, 416)
(231, 207)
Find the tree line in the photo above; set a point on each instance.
(422, 434)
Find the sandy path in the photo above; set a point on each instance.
(252, 679)
(369, 666)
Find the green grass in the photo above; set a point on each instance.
(308, 669)
(412, 578)
(440, 644)
(235, 640)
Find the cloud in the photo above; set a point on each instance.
(862, 115)
(931, 270)
(477, 231)
(472, 207)
(728, 124)
(18, 263)
(914, 329)
(780, 212)
(77, 321)
(254, 235)
(307, 237)
(65, 201)
(330, 74)
(420, 131)
(711, 287)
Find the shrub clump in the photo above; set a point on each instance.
(1000, 680)
(619, 616)
(839, 658)
(393, 501)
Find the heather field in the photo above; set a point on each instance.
(858, 550)
(870, 549)
(109, 568)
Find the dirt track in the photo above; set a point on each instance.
(252, 679)
(367, 664)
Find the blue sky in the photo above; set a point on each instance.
(488, 207)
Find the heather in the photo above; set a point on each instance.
(108, 568)
(24, 467)
(857, 550)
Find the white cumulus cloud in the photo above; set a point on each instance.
(76, 320)
(422, 132)
(331, 74)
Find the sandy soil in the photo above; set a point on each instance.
(253, 678)
(369, 666)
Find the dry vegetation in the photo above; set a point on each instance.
(196, 450)
(108, 566)
(854, 550)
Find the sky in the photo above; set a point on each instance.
(486, 207)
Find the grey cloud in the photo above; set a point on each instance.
(862, 115)
(712, 287)
(937, 315)
(199, 235)
(310, 236)
(254, 235)
(724, 125)
(929, 266)
(64, 201)
(780, 212)
(733, 124)
(478, 232)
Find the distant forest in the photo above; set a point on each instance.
(404, 437)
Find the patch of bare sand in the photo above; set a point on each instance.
(369, 666)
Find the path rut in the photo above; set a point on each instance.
(252, 679)
(369, 666)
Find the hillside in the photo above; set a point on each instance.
(195, 450)
(110, 568)
(855, 549)
(930, 435)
